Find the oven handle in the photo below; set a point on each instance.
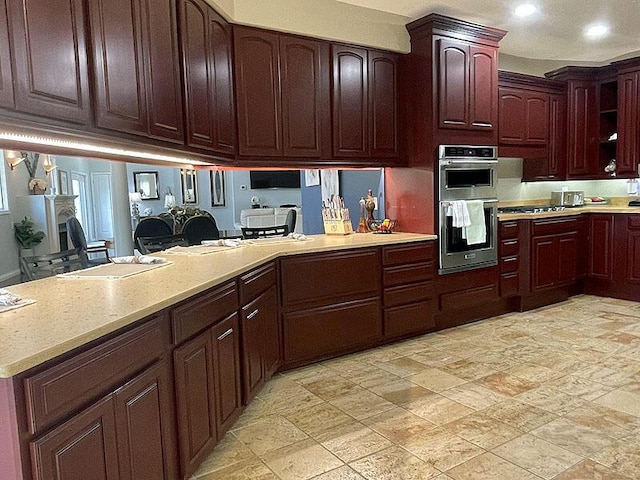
(468, 161)
(446, 203)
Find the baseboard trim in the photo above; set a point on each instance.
(15, 274)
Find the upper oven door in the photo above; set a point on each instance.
(466, 179)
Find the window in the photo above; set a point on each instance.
(4, 206)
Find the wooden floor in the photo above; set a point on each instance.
(548, 394)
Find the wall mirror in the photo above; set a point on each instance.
(146, 184)
(189, 186)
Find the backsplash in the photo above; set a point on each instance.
(511, 187)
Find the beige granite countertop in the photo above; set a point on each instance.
(71, 312)
(588, 208)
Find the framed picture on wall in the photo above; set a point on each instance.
(146, 184)
(218, 188)
(63, 182)
(189, 182)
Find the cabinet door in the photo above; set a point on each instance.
(453, 84)
(6, 77)
(302, 84)
(601, 247)
(195, 397)
(81, 448)
(557, 136)
(143, 414)
(50, 82)
(567, 258)
(226, 361)
(513, 116)
(537, 120)
(257, 68)
(350, 102)
(208, 78)
(582, 133)
(483, 87)
(271, 342)
(544, 262)
(253, 335)
(632, 257)
(383, 104)
(628, 120)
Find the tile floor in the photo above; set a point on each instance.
(548, 394)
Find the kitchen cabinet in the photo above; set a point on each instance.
(532, 124)
(582, 131)
(554, 245)
(50, 82)
(628, 154)
(206, 48)
(510, 258)
(281, 85)
(342, 312)
(601, 243)
(467, 85)
(6, 76)
(104, 413)
(136, 67)
(408, 277)
(260, 326)
(207, 372)
(365, 103)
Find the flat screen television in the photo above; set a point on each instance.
(261, 179)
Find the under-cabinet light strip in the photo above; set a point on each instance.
(97, 148)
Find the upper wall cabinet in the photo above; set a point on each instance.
(282, 93)
(136, 70)
(49, 59)
(531, 124)
(628, 121)
(451, 85)
(6, 77)
(365, 103)
(206, 41)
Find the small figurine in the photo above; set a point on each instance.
(370, 205)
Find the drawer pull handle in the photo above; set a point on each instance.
(253, 314)
(225, 334)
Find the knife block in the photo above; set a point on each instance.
(338, 227)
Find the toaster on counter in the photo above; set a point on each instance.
(567, 199)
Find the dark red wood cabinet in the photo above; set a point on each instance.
(6, 75)
(553, 254)
(136, 67)
(365, 103)
(206, 47)
(50, 82)
(582, 130)
(510, 258)
(628, 151)
(601, 242)
(408, 277)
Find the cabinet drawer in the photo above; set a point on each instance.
(408, 294)
(60, 390)
(509, 284)
(412, 253)
(407, 274)
(509, 247)
(329, 278)
(470, 297)
(549, 226)
(257, 281)
(414, 318)
(509, 229)
(509, 264)
(203, 311)
(318, 333)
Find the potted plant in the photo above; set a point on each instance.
(26, 236)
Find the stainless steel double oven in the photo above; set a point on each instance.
(467, 173)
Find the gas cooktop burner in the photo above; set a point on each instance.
(531, 209)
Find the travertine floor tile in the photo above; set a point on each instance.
(489, 467)
(230, 451)
(622, 457)
(401, 392)
(394, 464)
(328, 388)
(435, 379)
(399, 425)
(622, 401)
(474, 396)
(537, 456)
(362, 405)
(438, 409)
(579, 386)
(574, 437)
(316, 420)
(590, 470)
(441, 448)
(269, 434)
(248, 470)
(612, 422)
(520, 415)
(483, 430)
(402, 367)
(342, 473)
(467, 369)
(552, 400)
(301, 461)
(506, 384)
(351, 442)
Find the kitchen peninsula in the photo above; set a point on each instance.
(89, 348)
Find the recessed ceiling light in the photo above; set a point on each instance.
(525, 10)
(596, 31)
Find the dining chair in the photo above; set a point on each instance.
(199, 228)
(290, 221)
(260, 232)
(151, 227)
(41, 266)
(79, 240)
(147, 245)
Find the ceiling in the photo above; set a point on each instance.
(554, 33)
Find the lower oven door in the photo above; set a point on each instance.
(456, 254)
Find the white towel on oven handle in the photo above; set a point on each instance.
(459, 212)
(476, 232)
